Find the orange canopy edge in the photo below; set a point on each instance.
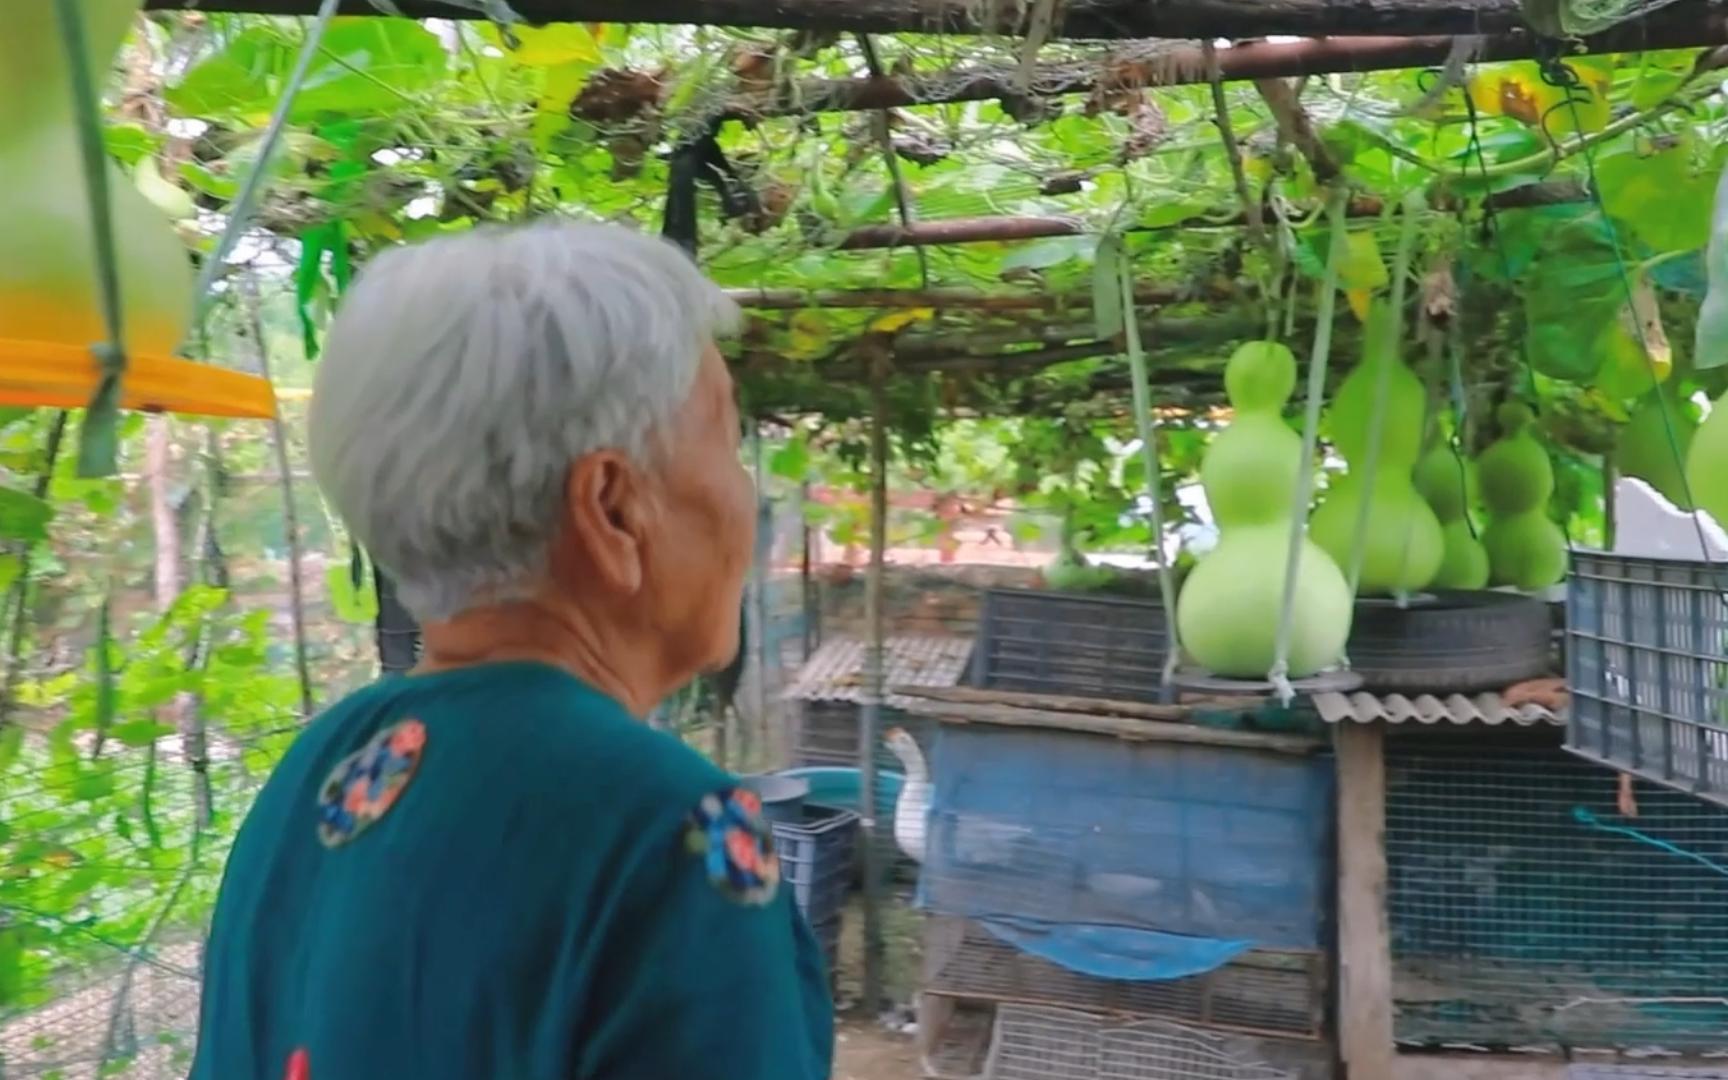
(40, 373)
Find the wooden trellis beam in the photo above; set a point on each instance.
(956, 299)
(1186, 65)
(1005, 228)
(1079, 19)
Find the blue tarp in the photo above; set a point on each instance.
(1117, 952)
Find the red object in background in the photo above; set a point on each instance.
(299, 1066)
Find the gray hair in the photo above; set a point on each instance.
(462, 377)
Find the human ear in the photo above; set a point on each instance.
(607, 515)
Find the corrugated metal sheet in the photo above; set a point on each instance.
(836, 671)
(1488, 709)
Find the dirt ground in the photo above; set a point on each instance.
(865, 1051)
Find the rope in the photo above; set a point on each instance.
(98, 436)
(1279, 676)
(1147, 426)
(240, 213)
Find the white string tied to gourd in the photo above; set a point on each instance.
(1279, 675)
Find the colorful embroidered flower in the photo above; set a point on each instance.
(736, 845)
(366, 784)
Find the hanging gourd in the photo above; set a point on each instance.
(51, 312)
(1443, 480)
(1654, 446)
(1707, 462)
(1401, 548)
(1525, 548)
(1226, 611)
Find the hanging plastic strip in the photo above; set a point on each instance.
(1147, 426)
(98, 438)
(1279, 676)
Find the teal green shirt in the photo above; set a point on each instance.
(496, 873)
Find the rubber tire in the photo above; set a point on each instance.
(1459, 643)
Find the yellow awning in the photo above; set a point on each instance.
(39, 373)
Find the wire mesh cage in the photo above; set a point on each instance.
(132, 835)
(1043, 642)
(1526, 911)
(1274, 993)
(1647, 662)
(1036, 1043)
(1643, 1072)
(1070, 827)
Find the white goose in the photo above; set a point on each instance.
(913, 806)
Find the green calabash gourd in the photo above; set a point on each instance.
(1442, 479)
(1402, 544)
(1525, 549)
(1707, 463)
(1229, 607)
(1654, 447)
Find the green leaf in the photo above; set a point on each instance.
(11, 743)
(130, 143)
(1107, 286)
(11, 965)
(10, 567)
(355, 605)
(791, 461)
(1659, 197)
(23, 516)
(1043, 254)
(138, 733)
(364, 67)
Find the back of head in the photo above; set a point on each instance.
(463, 376)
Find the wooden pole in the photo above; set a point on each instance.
(870, 714)
(1364, 942)
(1113, 19)
(1008, 227)
(1182, 65)
(960, 299)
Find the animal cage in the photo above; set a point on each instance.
(1527, 912)
(1647, 663)
(1041, 642)
(1053, 826)
(1260, 992)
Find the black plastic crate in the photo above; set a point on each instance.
(817, 860)
(1041, 642)
(1647, 664)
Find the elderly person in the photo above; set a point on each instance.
(490, 869)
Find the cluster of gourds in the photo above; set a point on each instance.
(1398, 521)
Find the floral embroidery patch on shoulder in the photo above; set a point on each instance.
(366, 784)
(736, 845)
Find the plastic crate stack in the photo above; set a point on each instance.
(1647, 665)
(817, 860)
(1105, 908)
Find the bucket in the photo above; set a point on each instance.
(782, 796)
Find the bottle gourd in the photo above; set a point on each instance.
(1525, 549)
(1230, 606)
(1443, 481)
(48, 274)
(1402, 544)
(1653, 446)
(1707, 462)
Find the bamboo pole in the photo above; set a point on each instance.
(870, 713)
